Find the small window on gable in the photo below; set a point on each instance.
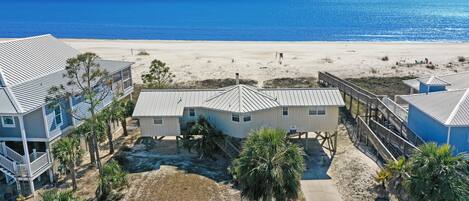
(158, 120)
(8, 121)
(246, 118)
(235, 117)
(58, 115)
(192, 112)
(285, 111)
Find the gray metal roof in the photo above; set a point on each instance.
(454, 81)
(25, 59)
(238, 98)
(450, 108)
(241, 99)
(433, 80)
(31, 66)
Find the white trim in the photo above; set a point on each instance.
(448, 137)
(287, 110)
(70, 101)
(46, 125)
(8, 125)
(456, 108)
(55, 116)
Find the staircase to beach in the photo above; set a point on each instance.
(230, 148)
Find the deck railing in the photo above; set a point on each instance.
(41, 161)
(395, 108)
(404, 147)
(8, 164)
(363, 130)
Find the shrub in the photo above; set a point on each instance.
(55, 195)
(143, 53)
(461, 59)
(112, 178)
(385, 58)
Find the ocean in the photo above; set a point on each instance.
(239, 20)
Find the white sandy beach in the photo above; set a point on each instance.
(196, 60)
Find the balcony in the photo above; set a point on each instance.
(12, 163)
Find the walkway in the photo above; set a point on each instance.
(316, 184)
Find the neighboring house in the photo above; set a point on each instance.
(238, 109)
(449, 82)
(441, 117)
(29, 67)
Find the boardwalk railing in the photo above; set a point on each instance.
(363, 131)
(395, 108)
(401, 146)
(392, 128)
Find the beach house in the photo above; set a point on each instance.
(441, 117)
(236, 110)
(435, 83)
(29, 125)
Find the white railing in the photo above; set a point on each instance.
(39, 162)
(396, 108)
(10, 153)
(8, 164)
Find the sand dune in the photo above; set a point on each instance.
(195, 60)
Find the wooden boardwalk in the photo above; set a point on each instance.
(382, 123)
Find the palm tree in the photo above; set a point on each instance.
(104, 118)
(399, 175)
(113, 177)
(205, 145)
(67, 151)
(437, 175)
(269, 167)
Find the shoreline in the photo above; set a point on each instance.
(262, 41)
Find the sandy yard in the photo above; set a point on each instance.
(197, 60)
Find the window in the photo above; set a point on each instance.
(192, 112)
(321, 110)
(285, 111)
(318, 110)
(247, 118)
(313, 111)
(58, 115)
(126, 77)
(235, 117)
(158, 120)
(8, 121)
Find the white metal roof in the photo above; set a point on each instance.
(453, 81)
(450, 108)
(433, 80)
(25, 59)
(31, 66)
(238, 98)
(241, 99)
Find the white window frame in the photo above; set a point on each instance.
(233, 115)
(314, 111)
(247, 115)
(5, 125)
(60, 114)
(160, 119)
(285, 109)
(124, 80)
(193, 109)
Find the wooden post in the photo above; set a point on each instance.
(306, 141)
(358, 107)
(350, 103)
(177, 144)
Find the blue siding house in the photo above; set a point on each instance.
(29, 125)
(441, 117)
(450, 82)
